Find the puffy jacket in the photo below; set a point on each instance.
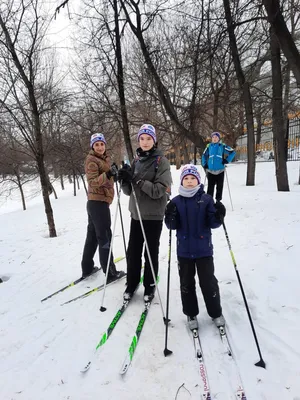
(154, 176)
(215, 153)
(99, 187)
(194, 220)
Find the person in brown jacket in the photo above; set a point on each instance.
(100, 176)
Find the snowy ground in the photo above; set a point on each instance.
(43, 346)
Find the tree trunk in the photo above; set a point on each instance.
(20, 186)
(277, 115)
(259, 126)
(120, 80)
(54, 192)
(83, 181)
(245, 88)
(177, 157)
(77, 179)
(284, 36)
(62, 181)
(216, 110)
(74, 183)
(45, 192)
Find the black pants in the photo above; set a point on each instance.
(208, 284)
(98, 234)
(134, 253)
(215, 180)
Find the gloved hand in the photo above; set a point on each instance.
(171, 210)
(205, 166)
(220, 210)
(125, 174)
(113, 172)
(224, 161)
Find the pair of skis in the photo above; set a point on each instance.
(76, 282)
(206, 393)
(135, 339)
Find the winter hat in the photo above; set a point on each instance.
(190, 169)
(97, 137)
(147, 130)
(216, 134)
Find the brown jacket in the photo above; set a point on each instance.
(99, 187)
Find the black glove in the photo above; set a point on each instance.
(205, 166)
(220, 210)
(224, 161)
(171, 210)
(125, 174)
(113, 172)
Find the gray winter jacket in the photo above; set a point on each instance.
(152, 182)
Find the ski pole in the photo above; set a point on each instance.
(121, 218)
(102, 309)
(167, 352)
(261, 362)
(228, 188)
(147, 248)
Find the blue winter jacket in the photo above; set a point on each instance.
(194, 220)
(215, 154)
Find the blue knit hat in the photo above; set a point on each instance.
(190, 169)
(97, 137)
(147, 130)
(216, 134)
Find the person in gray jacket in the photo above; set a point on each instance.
(151, 178)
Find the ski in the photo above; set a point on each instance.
(109, 331)
(96, 289)
(76, 281)
(240, 392)
(135, 338)
(203, 373)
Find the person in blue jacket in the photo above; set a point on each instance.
(193, 214)
(214, 158)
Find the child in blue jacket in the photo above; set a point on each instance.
(214, 158)
(193, 214)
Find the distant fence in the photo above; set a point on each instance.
(265, 144)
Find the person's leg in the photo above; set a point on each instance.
(220, 184)
(186, 269)
(209, 286)
(100, 215)
(153, 232)
(90, 247)
(211, 181)
(134, 256)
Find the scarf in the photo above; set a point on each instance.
(188, 192)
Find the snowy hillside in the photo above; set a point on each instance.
(43, 346)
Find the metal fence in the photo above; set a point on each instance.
(265, 144)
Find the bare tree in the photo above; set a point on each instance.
(21, 38)
(287, 43)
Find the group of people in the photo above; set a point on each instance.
(192, 213)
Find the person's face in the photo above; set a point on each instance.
(189, 182)
(99, 147)
(146, 142)
(214, 139)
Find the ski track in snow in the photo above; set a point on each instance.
(43, 346)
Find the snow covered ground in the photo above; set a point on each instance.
(43, 346)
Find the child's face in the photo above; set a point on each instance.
(189, 182)
(99, 147)
(215, 139)
(146, 142)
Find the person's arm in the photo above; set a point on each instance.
(215, 213)
(162, 181)
(92, 175)
(229, 152)
(204, 159)
(172, 216)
